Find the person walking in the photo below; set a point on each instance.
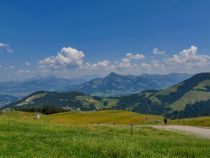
(165, 121)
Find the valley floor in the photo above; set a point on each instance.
(22, 136)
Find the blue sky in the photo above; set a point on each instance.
(100, 34)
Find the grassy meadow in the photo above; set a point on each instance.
(84, 118)
(62, 136)
(198, 121)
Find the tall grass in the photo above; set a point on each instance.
(22, 136)
(199, 121)
(96, 117)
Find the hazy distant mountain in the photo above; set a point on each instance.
(6, 99)
(117, 85)
(23, 88)
(112, 85)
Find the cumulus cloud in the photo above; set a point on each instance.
(124, 63)
(189, 60)
(189, 56)
(67, 57)
(7, 67)
(186, 61)
(71, 61)
(156, 51)
(100, 65)
(22, 71)
(135, 56)
(27, 63)
(6, 47)
(11, 67)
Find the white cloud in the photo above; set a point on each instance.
(22, 71)
(125, 62)
(11, 67)
(100, 65)
(135, 56)
(156, 51)
(7, 67)
(6, 47)
(70, 61)
(189, 60)
(27, 63)
(67, 57)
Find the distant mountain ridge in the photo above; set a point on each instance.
(112, 85)
(117, 85)
(48, 83)
(189, 98)
(6, 99)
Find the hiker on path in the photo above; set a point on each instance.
(165, 121)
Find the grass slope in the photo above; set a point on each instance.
(96, 117)
(198, 121)
(104, 117)
(189, 98)
(22, 136)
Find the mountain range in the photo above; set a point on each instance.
(111, 85)
(188, 98)
(117, 85)
(38, 83)
(6, 99)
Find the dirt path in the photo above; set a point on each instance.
(201, 132)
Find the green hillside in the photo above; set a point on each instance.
(186, 99)
(48, 102)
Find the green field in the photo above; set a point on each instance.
(198, 121)
(58, 136)
(83, 118)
